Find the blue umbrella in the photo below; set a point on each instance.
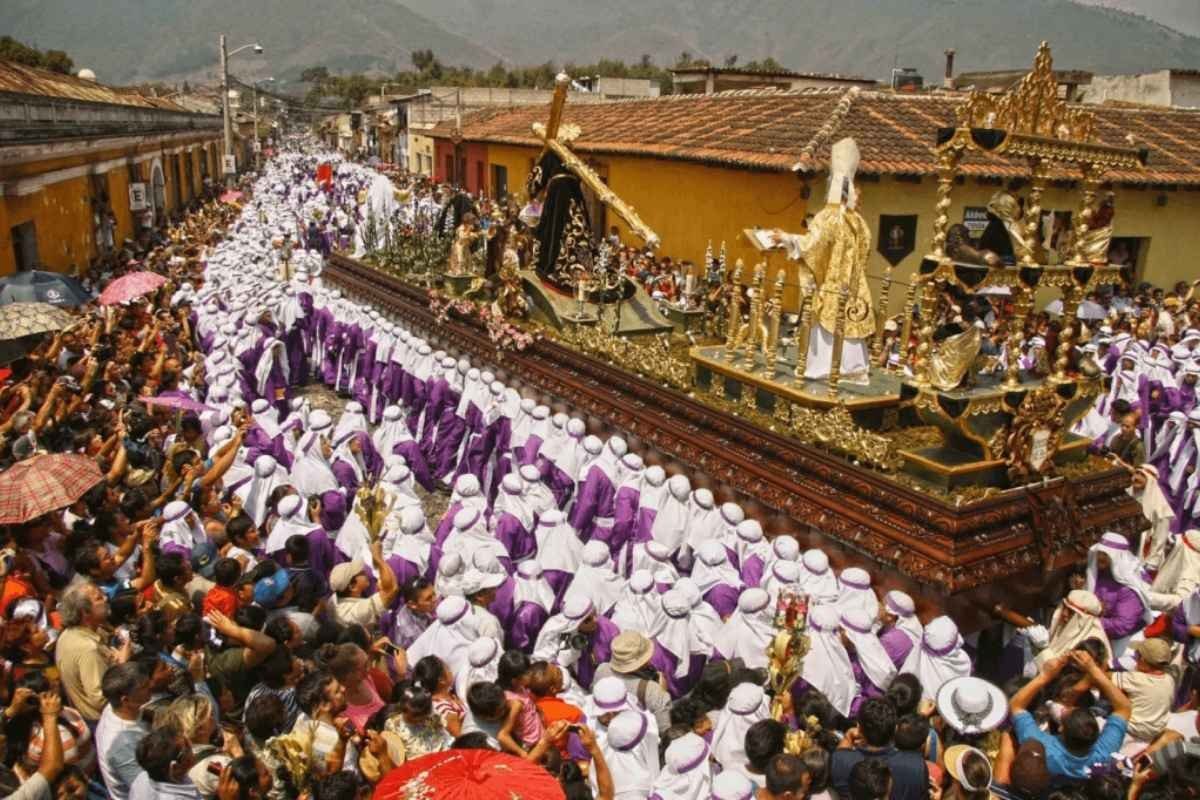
(38, 286)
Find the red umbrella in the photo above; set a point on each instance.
(231, 197)
(131, 286)
(468, 775)
(44, 483)
(177, 402)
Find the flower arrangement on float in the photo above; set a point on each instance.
(502, 333)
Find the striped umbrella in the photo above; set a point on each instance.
(130, 287)
(44, 483)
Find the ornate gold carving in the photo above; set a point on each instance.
(1031, 107)
(774, 316)
(734, 314)
(649, 356)
(1030, 442)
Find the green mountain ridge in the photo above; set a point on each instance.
(126, 41)
(861, 37)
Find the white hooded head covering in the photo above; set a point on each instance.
(631, 751)
(181, 526)
(827, 664)
(705, 523)
(748, 630)
(393, 430)
(558, 545)
(671, 521)
(856, 592)
(687, 774)
(311, 472)
(574, 611)
(820, 583)
(513, 500)
(451, 572)
(268, 475)
(712, 568)
(747, 704)
(1126, 569)
(783, 576)
(876, 663)
(407, 537)
(471, 535)
(273, 353)
(905, 609)
(483, 661)
(1077, 618)
(939, 658)
(751, 543)
(449, 637)
(530, 587)
(292, 521)
(595, 578)
(678, 634)
(640, 606)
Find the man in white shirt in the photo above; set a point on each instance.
(349, 582)
(126, 687)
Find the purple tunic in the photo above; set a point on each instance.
(522, 632)
(625, 519)
(519, 542)
(450, 432)
(723, 598)
(752, 571)
(598, 651)
(1123, 608)
(665, 662)
(596, 499)
(897, 644)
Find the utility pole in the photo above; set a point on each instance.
(228, 119)
(257, 144)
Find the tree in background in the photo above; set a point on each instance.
(54, 60)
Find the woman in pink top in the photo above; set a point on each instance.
(523, 727)
(348, 664)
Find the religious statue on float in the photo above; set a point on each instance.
(563, 234)
(835, 250)
(462, 252)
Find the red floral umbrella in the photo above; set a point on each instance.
(468, 775)
(44, 483)
(130, 287)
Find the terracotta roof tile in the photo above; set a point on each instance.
(774, 130)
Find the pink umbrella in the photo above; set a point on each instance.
(231, 197)
(177, 402)
(130, 287)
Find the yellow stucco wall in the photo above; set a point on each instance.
(62, 208)
(689, 205)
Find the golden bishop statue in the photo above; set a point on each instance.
(835, 250)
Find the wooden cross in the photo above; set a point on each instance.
(556, 137)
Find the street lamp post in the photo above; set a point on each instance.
(257, 144)
(225, 111)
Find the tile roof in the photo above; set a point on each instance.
(774, 130)
(21, 79)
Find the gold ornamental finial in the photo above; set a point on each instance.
(1032, 106)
